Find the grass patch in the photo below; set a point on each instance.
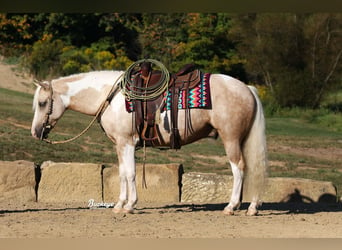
(12, 60)
(281, 126)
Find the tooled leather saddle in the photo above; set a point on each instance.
(147, 111)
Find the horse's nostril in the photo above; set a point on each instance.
(38, 132)
(33, 133)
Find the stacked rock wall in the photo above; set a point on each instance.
(22, 181)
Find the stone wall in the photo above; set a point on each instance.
(70, 182)
(203, 187)
(22, 181)
(17, 181)
(162, 181)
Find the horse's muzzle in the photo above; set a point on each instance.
(43, 132)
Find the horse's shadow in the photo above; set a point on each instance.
(301, 207)
(14, 211)
(273, 208)
(294, 203)
(268, 208)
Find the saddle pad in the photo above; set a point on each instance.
(198, 97)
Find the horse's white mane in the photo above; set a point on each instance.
(35, 98)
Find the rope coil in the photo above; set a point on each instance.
(132, 92)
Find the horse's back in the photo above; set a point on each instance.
(224, 84)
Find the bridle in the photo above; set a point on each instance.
(46, 125)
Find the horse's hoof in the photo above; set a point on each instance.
(117, 210)
(252, 212)
(128, 211)
(228, 212)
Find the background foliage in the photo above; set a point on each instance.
(295, 59)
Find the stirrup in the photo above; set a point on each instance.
(144, 130)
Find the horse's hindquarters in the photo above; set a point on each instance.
(233, 107)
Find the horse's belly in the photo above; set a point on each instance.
(190, 130)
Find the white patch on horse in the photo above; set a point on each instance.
(35, 98)
(129, 165)
(117, 104)
(238, 177)
(237, 188)
(95, 80)
(128, 159)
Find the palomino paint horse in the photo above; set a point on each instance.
(236, 114)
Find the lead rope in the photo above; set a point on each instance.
(144, 184)
(103, 106)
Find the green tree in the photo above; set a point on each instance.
(296, 55)
(122, 32)
(16, 33)
(43, 62)
(159, 34)
(177, 39)
(51, 44)
(208, 44)
(324, 35)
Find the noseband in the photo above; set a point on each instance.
(46, 125)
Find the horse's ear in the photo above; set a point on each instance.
(36, 83)
(45, 84)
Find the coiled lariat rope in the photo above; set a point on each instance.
(144, 93)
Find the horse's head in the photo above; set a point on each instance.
(48, 108)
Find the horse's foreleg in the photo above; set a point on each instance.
(128, 193)
(123, 190)
(130, 177)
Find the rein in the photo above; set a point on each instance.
(46, 124)
(100, 111)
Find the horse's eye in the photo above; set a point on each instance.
(42, 104)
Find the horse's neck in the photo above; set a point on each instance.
(89, 100)
(87, 95)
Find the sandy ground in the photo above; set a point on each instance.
(291, 220)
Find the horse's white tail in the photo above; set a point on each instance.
(255, 154)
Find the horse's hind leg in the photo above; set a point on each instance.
(237, 164)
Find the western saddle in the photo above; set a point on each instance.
(147, 112)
